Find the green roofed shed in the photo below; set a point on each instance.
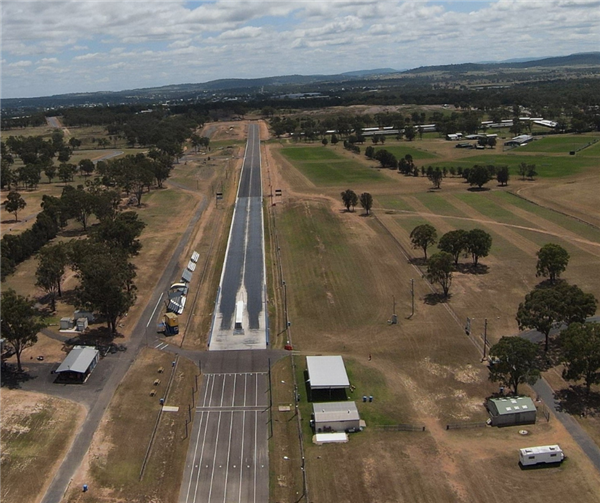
(509, 411)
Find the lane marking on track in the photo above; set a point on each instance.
(155, 308)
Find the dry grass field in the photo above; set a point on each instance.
(342, 270)
(113, 464)
(37, 431)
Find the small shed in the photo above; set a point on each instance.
(335, 416)
(78, 364)
(327, 372)
(511, 411)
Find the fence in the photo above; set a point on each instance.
(399, 427)
(460, 426)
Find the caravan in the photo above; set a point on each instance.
(543, 454)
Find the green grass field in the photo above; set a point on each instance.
(546, 166)
(325, 167)
(562, 144)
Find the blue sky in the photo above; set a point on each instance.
(55, 47)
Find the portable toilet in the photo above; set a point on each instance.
(171, 324)
(82, 324)
(66, 323)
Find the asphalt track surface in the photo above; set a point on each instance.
(243, 277)
(228, 443)
(227, 458)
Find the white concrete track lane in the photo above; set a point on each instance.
(228, 454)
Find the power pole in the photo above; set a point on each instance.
(412, 295)
(484, 338)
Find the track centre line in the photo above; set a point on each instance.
(201, 453)
(212, 475)
(155, 308)
(203, 442)
(197, 441)
(242, 455)
(228, 455)
(255, 451)
(196, 447)
(223, 390)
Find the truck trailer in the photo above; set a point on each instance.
(539, 455)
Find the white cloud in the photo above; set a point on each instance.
(188, 41)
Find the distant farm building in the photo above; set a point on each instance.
(511, 411)
(454, 136)
(335, 416)
(78, 364)
(517, 141)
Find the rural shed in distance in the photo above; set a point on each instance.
(327, 372)
(511, 411)
(335, 416)
(78, 364)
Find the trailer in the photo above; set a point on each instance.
(539, 455)
(239, 314)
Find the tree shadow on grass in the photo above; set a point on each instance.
(576, 401)
(472, 268)
(418, 261)
(478, 189)
(433, 299)
(12, 378)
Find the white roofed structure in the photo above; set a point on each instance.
(79, 363)
(327, 372)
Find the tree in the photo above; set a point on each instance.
(479, 244)
(580, 348)
(409, 133)
(106, 282)
(324, 141)
(576, 305)
(479, 175)
(121, 232)
(435, 176)
(51, 269)
(50, 172)
(454, 243)
(423, 236)
(502, 175)
(552, 261)
(514, 362)
(19, 321)
(370, 152)
(366, 201)
(386, 159)
(491, 141)
(350, 199)
(439, 270)
(14, 203)
(78, 204)
(87, 166)
(541, 311)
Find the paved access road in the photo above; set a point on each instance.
(243, 277)
(228, 448)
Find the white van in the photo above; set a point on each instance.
(543, 454)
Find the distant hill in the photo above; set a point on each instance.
(588, 58)
(284, 84)
(368, 73)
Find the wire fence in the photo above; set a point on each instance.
(461, 426)
(399, 427)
